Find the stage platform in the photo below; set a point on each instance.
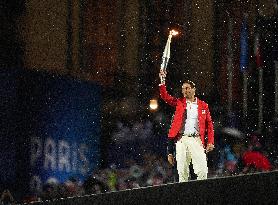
(258, 188)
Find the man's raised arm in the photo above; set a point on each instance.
(163, 91)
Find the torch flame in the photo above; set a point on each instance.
(173, 32)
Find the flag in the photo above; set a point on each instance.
(257, 51)
(244, 46)
(275, 48)
(259, 64)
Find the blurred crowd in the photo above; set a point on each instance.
(235, 153)
(248, 155)
(232, 156)
(152, 171)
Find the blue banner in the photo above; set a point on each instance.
(244, 46)
(55, 130)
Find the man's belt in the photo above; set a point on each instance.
(193, 135)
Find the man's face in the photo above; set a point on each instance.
(187, 90)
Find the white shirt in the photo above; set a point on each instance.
(191, 123)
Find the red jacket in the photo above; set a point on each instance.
(204, 118)
(258, 160)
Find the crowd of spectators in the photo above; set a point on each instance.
(234, 154)
(247, 155)
(250, 154)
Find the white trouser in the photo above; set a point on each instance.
(187, 149)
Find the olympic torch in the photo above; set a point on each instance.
(166, 53)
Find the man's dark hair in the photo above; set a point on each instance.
(190, 83)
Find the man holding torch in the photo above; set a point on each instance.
(190, 123)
